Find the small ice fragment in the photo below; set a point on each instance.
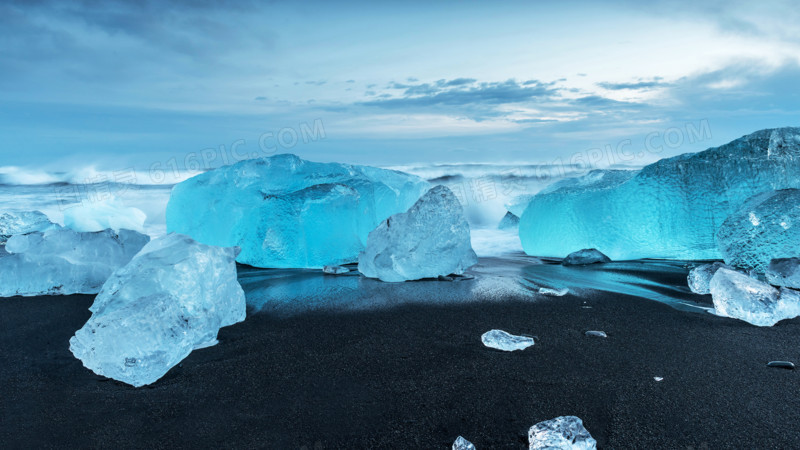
(462, 444)
(501, 340)
(335, 270)
(561, 433)
(658, 378)
(585, 257)
(509, 221)
(554, 292)
(700, 277)
(784, 272)
(594, 333)
(781, 364)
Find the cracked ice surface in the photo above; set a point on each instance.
(765, 227)
(173, 297)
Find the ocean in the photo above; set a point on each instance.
(487, 192)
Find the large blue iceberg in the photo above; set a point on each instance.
(669, 209)
(286, 212)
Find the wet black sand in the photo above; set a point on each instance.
(414, 376)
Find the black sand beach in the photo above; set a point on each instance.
(414, 376)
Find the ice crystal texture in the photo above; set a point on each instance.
(561, 433)
(431, 239)
(63, 261)
(173, 297)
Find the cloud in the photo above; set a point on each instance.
(462, 92)
(639, 85)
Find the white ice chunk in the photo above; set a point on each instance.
(286, 212)
(765, 227)
(431, 239)
(561, 433)
(335, 270)
(501, 340)
(64, 261)
(462, 444)
(784, 272)
(173, 297)
(97, 216)
(700, 277)
(554, 292)
(585, 257)
(741, 297)
(22, 222)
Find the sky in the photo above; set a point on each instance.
(175, 83)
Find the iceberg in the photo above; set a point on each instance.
(171, 298)
(669, 209)
(784, 272)
(431, 239)
(585, 257)
(63, 261)
(554, 292)
(285, 212)
(101, 215)
(765, 227)
(741, 297)
(23, 222)
(335, 270)
(462, 444)
(500, 340)
(700, 277)
(508, 222)
(561, 433)
(596, 333)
